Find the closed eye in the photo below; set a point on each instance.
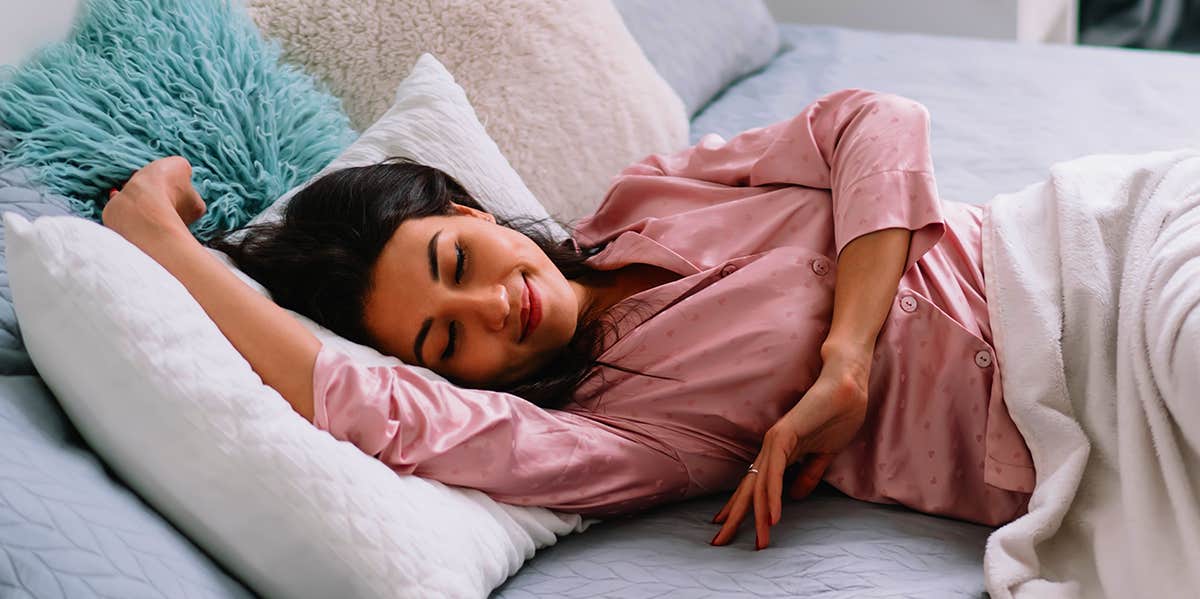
(451, 339)
(458, 269)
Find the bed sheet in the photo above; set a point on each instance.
(70, 528)
(18, 195)
(1001, 114)
(826, 546)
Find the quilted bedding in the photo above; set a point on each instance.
(70, 529)
(1002, 113)
(827, 546)
(16, 195)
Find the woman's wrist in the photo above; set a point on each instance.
(845, 358)
(163, 243)
(156, 238)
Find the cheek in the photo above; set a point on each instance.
(482, 366)
(566, 310)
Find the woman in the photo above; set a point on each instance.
(695, 337)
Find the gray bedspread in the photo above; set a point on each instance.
(70, 529)
(826, 546)
(1002, 113)
(17, 195)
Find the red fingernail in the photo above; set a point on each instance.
(714, 541)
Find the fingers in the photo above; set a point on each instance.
(810, 475)
(191, 206)
(740, 501)
(778, 464)
(753, 493)
(762, 527)
(724, 513)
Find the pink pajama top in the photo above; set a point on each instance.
(754, 227)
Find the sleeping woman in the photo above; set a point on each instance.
(797, 298)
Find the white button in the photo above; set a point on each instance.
(712, 141)
(820, 267)
(728, 270)
(908, 303)
(983, 359)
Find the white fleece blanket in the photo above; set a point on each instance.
(1093, 281)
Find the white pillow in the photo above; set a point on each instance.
(432, 123)
(561, 85)
(160, 394)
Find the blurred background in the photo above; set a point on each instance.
(1157, 24)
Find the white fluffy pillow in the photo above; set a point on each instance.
(431, 122)
(173, 408)
(561, 85)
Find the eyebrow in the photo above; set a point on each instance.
(432, 251)
(417, 346)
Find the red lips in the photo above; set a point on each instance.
(524, 308)
(531, 309)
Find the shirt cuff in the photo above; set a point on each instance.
(891, 200)
(328, 359)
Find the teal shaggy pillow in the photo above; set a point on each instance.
(142, 79)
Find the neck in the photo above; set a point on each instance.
(595, 294)
(600, 291)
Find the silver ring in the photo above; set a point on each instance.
(752, 470)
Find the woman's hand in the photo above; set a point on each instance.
(820, 425)
(157, 201)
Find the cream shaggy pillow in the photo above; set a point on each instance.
(560, 85)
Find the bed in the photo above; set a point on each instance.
(1001, 114)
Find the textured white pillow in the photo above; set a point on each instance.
(561, 85)
(432, 123)
(160, 394)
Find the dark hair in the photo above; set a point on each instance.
(318, 259)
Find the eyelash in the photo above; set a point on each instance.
(459, 269)
(462, 259)
(450, 344)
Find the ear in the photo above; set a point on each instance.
(460, 210)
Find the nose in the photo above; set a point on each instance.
(489, 304)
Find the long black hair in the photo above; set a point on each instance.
(318, 259)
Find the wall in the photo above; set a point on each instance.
(981, 18)
(26, 25)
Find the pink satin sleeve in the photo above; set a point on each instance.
(870, 149)
(512, 450)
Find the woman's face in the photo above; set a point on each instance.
(474, 301)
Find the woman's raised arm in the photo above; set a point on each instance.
(152, 211)
(871, 150)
